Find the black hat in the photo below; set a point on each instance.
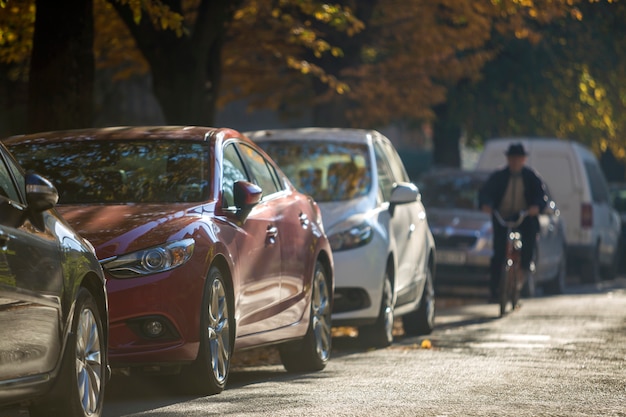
(516, 149)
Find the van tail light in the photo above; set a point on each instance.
(586, 216)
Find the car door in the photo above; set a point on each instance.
(404, 224)
(291, 232)
(258, 252)
(296, 242)
(605, 217)
(550, 243)
(31, 283)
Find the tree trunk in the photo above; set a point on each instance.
(12, 103)
(184, 93)
(334, 113)
(446, 139)
(60, 93)
(186, 70)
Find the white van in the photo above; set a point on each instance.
(578, 186)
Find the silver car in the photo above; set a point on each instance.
(463, 234)
(376, 224)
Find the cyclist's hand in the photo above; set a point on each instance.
(486, 209)
(533, 211)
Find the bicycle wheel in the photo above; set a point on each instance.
(517, 282)
(504, 290)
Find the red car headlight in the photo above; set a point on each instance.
(151, 260)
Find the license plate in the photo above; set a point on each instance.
(451, 257)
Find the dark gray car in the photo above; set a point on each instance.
(53, 304)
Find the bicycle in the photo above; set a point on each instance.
(512, 275)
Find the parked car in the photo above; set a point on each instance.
(574, 176)
(207, 247)
(53, 303)
(618, 199)
(383, 249)
(463, 234)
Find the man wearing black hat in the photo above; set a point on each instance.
(510, 190)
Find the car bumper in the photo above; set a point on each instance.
(463, 267)
(171, 298)
(578, 254)
(358, 284)
(462, 275)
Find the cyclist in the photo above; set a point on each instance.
(509, 190)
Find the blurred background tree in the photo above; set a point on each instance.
(566, 84)
(470, 69)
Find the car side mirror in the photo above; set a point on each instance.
(41, 195)
(246, 196)
(404, 192)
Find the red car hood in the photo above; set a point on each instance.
(119, 229)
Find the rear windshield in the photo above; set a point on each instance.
(451, 191)
(326, 170)
(156, 171)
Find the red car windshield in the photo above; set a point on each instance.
(87, 172)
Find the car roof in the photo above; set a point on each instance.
(315, 133)
(198, 133)
(456, 172)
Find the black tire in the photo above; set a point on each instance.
(209, 372)
(590, 269)
(380, 334)
(504, 290)
(610, 271)
(517, 283)
(79, 388)
(557, 284)
(313, 351)
(422, 320)
(621, 263)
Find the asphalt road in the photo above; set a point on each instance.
(556, 356)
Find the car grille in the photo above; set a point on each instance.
(454, 241)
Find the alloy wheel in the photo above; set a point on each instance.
(218, 331)
(88, 361)
(320, 306)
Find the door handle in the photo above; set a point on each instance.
(304, 220)
(271, 233)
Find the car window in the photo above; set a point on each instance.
(17, 173)
(395, 163)
(386, 180)
(135, 171)
(599, 189)
(262, 172)
(233, 171)
(618, 196)
(327, 170)
(7, 187)
(451, 191)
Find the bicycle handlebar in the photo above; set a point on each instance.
(510, 223)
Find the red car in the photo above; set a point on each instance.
(206, 246)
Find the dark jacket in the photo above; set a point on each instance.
(493, 190)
